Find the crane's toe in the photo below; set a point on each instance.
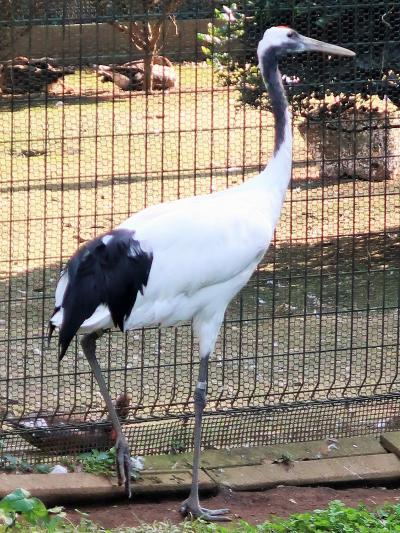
(193, 510)
(124, 464)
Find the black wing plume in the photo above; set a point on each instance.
(108, 271)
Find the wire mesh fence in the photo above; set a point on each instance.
(310, 347)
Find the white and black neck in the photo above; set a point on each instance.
(268, 62)
(276, 42)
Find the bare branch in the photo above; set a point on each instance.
(149, 33)
(173, 20)
(133, 33)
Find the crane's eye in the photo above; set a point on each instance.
(291, 34)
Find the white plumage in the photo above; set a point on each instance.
(188, 259)
(204, 251)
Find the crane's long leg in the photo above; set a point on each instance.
(191, 506)
(124, 465)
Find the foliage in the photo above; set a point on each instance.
(231, 42)
(103, 463)
(22, 512)
(93, 462)
(338, 518)
(21, 507)
(42, 468)
(97, 462)
(11, 463)
(286, 458)
(227, 28)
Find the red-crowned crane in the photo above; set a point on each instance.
(183, 260)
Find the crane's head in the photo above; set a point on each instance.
(282, 40)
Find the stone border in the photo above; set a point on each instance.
(311, 463)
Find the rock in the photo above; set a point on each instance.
(59, 469)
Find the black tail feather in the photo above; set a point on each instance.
(109, 271)
(51, 327)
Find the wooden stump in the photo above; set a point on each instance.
(362, 141)
(131, 76)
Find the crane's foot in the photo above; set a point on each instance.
(193, 510)
(124, 464)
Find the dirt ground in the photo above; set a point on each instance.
(254, 507)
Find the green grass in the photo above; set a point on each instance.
(19, 511)
(337, 518)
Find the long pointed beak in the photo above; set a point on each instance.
(313, 45)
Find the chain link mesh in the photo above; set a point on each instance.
(310, 347)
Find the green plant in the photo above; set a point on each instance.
(338, 518)
(103, 463)
(20, 511)
(98, 462)
(42, 468)
(286, 458)
(178, 444)
(226, 30)
(11, 463)
(21, 507)
(231, 42)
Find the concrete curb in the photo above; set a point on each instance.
(382, 467)
(391, 442)
(312, 463)
(79, 487)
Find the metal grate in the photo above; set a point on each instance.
(310, 348)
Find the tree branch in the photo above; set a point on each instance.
(132, 32)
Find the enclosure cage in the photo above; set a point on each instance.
(310, 347)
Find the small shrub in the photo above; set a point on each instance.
(231, 42)
(338, 518)
(97, 462)
(19, 508)
(19, 511)
(103, 463)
